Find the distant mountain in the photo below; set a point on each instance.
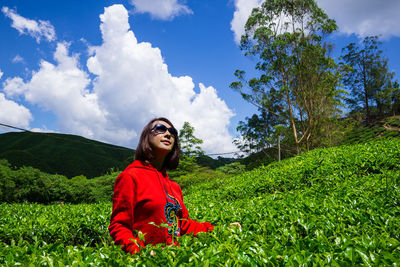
(65, 154)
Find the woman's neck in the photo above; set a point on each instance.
(158, 162)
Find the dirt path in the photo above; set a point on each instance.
(391, 128)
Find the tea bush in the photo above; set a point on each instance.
(338, 206)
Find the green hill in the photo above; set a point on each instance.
(338, 206)
(352, 132)
(69, 155)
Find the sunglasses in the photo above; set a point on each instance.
(161, 128)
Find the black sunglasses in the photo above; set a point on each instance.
(161, 128)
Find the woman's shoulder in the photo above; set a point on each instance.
(136, 165)
(136, 169)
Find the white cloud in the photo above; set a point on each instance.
(42, 130)
(242, 13)
(1, 74)
(161, 9)
(210, 116)
(13, 87)
(14, 114)
(360, 17)
(363, 18)
(62, 89)
(37, 29)
(17, 59)
(132, 85)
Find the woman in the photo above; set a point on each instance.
(145, 198)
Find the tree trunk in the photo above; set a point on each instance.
(365, 87)
(292, 122)
(279, 148)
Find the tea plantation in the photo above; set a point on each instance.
(338, 207)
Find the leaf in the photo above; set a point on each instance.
(349, 252)
(364, 257)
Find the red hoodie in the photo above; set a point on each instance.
(144, 198)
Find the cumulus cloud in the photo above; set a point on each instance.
(1, 74)
(13, 87)
(134, 85)
(240, 16)
(131, 85)
(161, 9)
(37, 29)
(363, 18)
(14, 114)
(62, 88)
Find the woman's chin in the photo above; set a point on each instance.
(164, 150)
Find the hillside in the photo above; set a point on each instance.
(329, 207)
(380, 128)
(69, 155)
(338, 206)
(354, 132)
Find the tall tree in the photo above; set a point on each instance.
(388, 99)
(369, 75)
(395, 99)
(296, 72)
(316, 92)
(190, 145)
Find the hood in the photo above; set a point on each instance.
(144, 165)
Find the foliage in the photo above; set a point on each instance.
(209, 162)
(64, 154)
(338, 206)
(30, 184)
(200, 176)
(190, 145)
(232, 168)
(369, 80)
(186, 165)
(358, 132)
(190, 151)
(190, 169)
(258, 159)
(298, 81)
(388, 99)
(59, 223)
(256, 132)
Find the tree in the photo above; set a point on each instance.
(191, 151)
(190, 145)
(256, 132)
(388, 99)
(317, 93)
(369, 79)
(297, 74)
(393, 97)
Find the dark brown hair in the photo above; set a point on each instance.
(145, 152)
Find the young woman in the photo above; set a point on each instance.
(145, 198)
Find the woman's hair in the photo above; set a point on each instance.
(145, 152)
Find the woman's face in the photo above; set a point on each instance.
(162, 143)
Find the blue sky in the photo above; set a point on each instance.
(64, 68)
